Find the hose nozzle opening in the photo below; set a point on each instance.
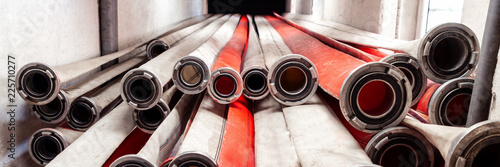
(141, 89)
(191, 75)
(37, 83)
(131, 160)
(448, 51)
(193, 159)
(375, 96)
(83, 113)
(149, 120)
(293, 79)
(449, 104)
(155, 48)
(225, 85)
(45, 144)
(255, 82)
(54, 111)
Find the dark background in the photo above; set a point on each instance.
(247, 6)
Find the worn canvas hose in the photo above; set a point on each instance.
(319, 137)
(254, 71)
(39, 84)
(85, 111)
(192, 73)
(406, 63)
(56, 110)
(225, 84)
(478, 145)
(373, 96)
(142, 87)
(273, 145)
(45, 144)
(162, 141)
(292, 78)
(176, 34)
(399, 143)
(230, 128)
(447, 104)
(447, 51)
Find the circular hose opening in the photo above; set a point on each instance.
(131, 164)
(193, 163)
(191, 74)
(488, 156)
(36, 83)
(47, 148)
(141, 89)
(293, 80)
(225, 86)
(52, 109)
(376, 98)
(397, 154)
(449, 54)
(156, 50)
(457, 109)
(255, 82)
(81, 114)
(151, 117)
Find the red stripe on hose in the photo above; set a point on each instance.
(423, 104)
(132, 144)
(230, 56)
(237, 145)
(372, 51)
(333, 66)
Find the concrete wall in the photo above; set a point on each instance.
(58, 32)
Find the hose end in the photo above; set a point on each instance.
(55, 111)
(191, 75)
(375, 96)
(292, 79)
(448, 51)
(131, 160)
(155, 48)
(37, 83)
(225, 85)
(400, 146)
(193, 158)
(255, 82)
(412, 70)
(45, 144)
(449, 104)
(479, 145)
(149, 120)
(83, 113)
(141, 89)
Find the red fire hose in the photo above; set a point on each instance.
(373, 95)
(131, 145)
(226, 84)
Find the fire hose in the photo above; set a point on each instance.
(292, 78)
(447, 51)
(373, 95)
(225, 84)
(56, 110)
(254, 71)
(142, 87)
(192, 73)
(162, 141)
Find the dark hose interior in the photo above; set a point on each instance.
(396, 155)
(225, 86)
(293, 80)
(151, 117)
(457, 109)
(37, 83)
(255, 82)
(81, 114)
(52, 108)
(141, 89)
(193, 163)
(488, 156)
(47, 147)
(449, 54)
(157, 50)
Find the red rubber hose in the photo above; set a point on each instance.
(132, 144)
